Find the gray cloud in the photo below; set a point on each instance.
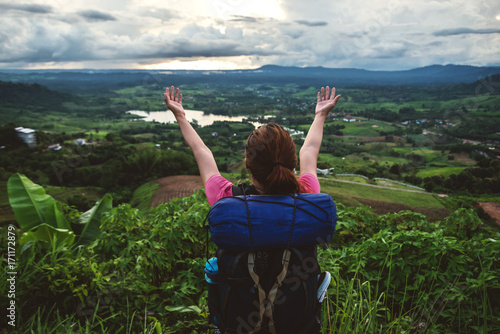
(48, 44)
(462, 31)
(66, 42)
(95, 15)
(312, 23)
(388, 52)
(30, 8)
(240, 18)
(381, 36)
(188, 48)
(159, 13)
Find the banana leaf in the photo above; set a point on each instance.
(55, 217)
(49, 236)
(92, 220)
(28, 200)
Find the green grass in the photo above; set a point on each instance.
(141, 146)
(97, 135)
(143, 196)
(477, 99)
(357, 305)
(488, 198)
(429, 154)
(347, 193)
(385, 159)
(417, 138)
(365, 128)
(305, 93)
(343, 166)
(444, 171)
(358, 129)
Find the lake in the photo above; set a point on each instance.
(203, 119)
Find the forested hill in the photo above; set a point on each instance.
(108, 80)
(15, 95)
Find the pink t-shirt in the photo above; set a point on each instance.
(218, 187)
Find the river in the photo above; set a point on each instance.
(202, 118)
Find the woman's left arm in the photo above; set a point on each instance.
(202, 154)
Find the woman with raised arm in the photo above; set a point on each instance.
(258, 246)
(270, 154)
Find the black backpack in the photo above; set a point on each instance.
(265, 291)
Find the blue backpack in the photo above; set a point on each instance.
(265, 277)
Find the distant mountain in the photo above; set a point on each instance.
(429, 75)
(108, 80)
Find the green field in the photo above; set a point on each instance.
(349, 194)
(370, 146)
(444, 171)
(143, 196)
(394, 270)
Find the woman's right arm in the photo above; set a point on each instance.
(202, 154)
(310, 150)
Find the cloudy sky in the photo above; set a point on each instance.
(229, 34)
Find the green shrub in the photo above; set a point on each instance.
(138, 271)
(144, 274)
(405, 273)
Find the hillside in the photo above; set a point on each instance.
(398, 271)
(21, 95)
(383, 200)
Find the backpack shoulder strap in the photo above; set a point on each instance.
(266, 301)
(245, 189)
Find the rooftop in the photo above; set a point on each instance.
(24, 130)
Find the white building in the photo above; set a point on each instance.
(55, 147)
(27, 136)
(80, 142)
(324, 171)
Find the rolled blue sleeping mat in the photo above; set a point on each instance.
(266, 221)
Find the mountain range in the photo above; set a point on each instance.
(97, 80)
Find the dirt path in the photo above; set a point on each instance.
(493, 209)
(175, 187)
